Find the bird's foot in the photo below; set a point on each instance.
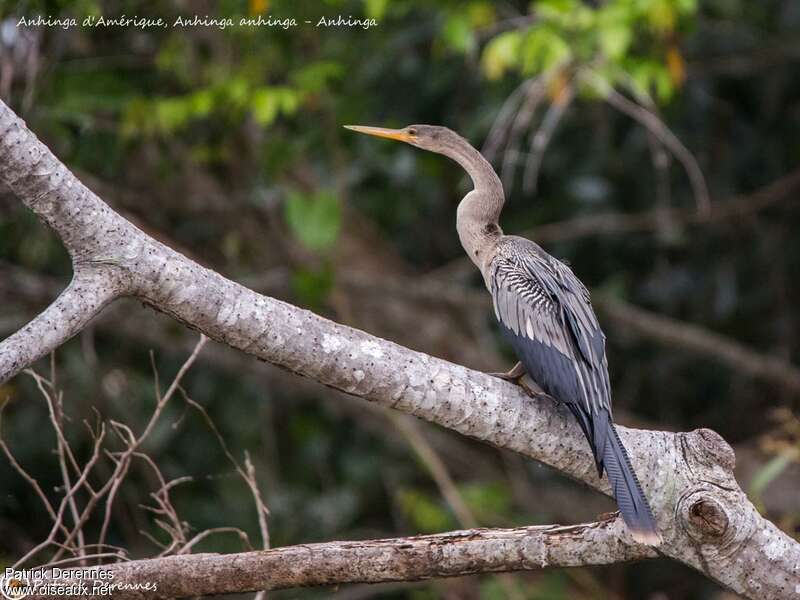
(518, 376)
(514, 375)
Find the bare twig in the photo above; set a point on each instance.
(657, 127)
(706, 520)
(247, 473)
(263, 511)
(447, 486)
(698, 339)
(541, 139)
(497, 133)
(55, 408)
(435, 467)
(58, 523)
(533, 97)
(132, 442)
(187, 547)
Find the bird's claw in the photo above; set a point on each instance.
(516, 373)
(518, 376)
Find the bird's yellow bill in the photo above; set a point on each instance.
(392, 134)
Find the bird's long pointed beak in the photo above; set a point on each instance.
(392, 134)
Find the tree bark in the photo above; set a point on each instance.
(705, 519)
(451, 554)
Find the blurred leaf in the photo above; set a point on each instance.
(258, 6)
(662, 15)
(481, 14)
(487, 500)
(426, 515)
(317, 76)
(615, 41)
(202, 103)
(501, 54)
(458, 34)
(265, 105)
(375, 9)
(770, 471)
(550, 8)
(174, 58)
(172, 113)
(268, 102)
(314, 219)
(676, 66)
(649, 78)
(637, 36)
(543, 49)
(311, 287)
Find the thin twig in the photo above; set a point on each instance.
(658, 128)
(247, 473)
(123, 461)
(187, 547)
(56, 409)
(58, 522)
(496, 136)
(541, 139)
(534, 96)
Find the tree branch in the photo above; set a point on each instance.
(87, 294)
(451, 554)
(705, 519)
(617, 223)
(696, 339)
(662, 329)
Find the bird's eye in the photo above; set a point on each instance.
(412, 131)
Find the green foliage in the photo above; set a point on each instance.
(227, 100)
(487, 500)
(375, 9)
(425, 514)
(501, 54)
(459, 28)
(317, 76)
(621, 40)
(312, 286)
(315, 219)
(217, 124)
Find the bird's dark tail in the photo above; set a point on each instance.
(631, 500)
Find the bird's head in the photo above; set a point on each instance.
(428, 137)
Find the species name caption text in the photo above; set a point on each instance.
(137, 22)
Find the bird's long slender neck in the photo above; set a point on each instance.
(477, 219)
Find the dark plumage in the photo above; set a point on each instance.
(546, 314)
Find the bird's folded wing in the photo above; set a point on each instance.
(555, 333)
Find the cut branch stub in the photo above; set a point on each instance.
(706, 518)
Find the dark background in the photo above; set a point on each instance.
(227, 145)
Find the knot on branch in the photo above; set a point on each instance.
(709, 517)
(707, 448)
(704, 517)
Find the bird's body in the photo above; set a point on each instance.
(545, 313)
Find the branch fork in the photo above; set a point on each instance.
(705, 518)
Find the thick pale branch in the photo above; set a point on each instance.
(373, 561)
(664, 330)
(87, 294)
(706, 520)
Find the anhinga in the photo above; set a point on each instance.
(544, 311)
